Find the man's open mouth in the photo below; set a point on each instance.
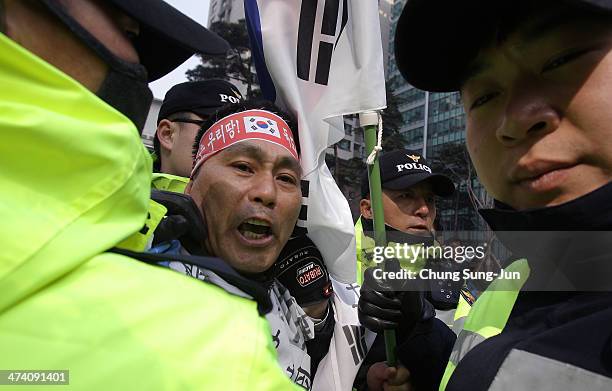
(255, 229)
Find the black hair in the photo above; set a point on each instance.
(156, 145)
(249, 104)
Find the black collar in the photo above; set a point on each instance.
(591, 212)
(568, 246)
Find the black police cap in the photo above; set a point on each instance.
(404, 168)
(435, 40)
(200, 97)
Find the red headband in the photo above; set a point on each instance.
(246, 125)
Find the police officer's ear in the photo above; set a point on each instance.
(166, 133)
(365, 208)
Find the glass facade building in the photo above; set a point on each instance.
(435, 124)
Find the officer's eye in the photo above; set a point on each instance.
(131, 35)
(407, 195)
(483, 99)
(563, 59)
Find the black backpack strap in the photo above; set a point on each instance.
(215, 265)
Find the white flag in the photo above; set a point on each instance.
(320, 60)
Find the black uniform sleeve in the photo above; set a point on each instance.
(424, 353)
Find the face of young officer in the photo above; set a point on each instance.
(539, 118)
(411, 210)
(250, 197)
(33, 27)
(176, 143)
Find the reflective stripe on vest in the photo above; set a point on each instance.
(523, 370)
(488, 316)
(463, 310)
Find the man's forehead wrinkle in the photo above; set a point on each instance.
(246, 148)
(258, 153)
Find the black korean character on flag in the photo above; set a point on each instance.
(355, 336)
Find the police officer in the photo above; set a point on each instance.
(75, 183)
(536, 82)
(185, 108)
(409, 187)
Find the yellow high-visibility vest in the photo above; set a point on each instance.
(487, 316)
(75, 182)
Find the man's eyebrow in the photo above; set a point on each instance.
(255, 152)
(290, 163)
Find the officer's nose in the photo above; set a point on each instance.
(422, 207)
(527, 114)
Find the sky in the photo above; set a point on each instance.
(198, 11)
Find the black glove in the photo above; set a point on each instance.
(183, 222)
(393, 303)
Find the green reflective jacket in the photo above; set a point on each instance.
(75, 181)
(169, 182)
(487, 317)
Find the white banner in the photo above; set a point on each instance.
(320, 60)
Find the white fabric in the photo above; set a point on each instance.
(291, 328)
(289, 325)
(355, 84)
(349, 345)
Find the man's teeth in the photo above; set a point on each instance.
(253, 235)
(257, 222)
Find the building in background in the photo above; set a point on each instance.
(434, 123)
(229, 11)
(346, 162)
(385, 8)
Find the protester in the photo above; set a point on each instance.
(245, 183)
(340, 340)
(536, 83)
(75, 184)
(185, 108)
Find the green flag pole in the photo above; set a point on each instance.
(369, 121)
